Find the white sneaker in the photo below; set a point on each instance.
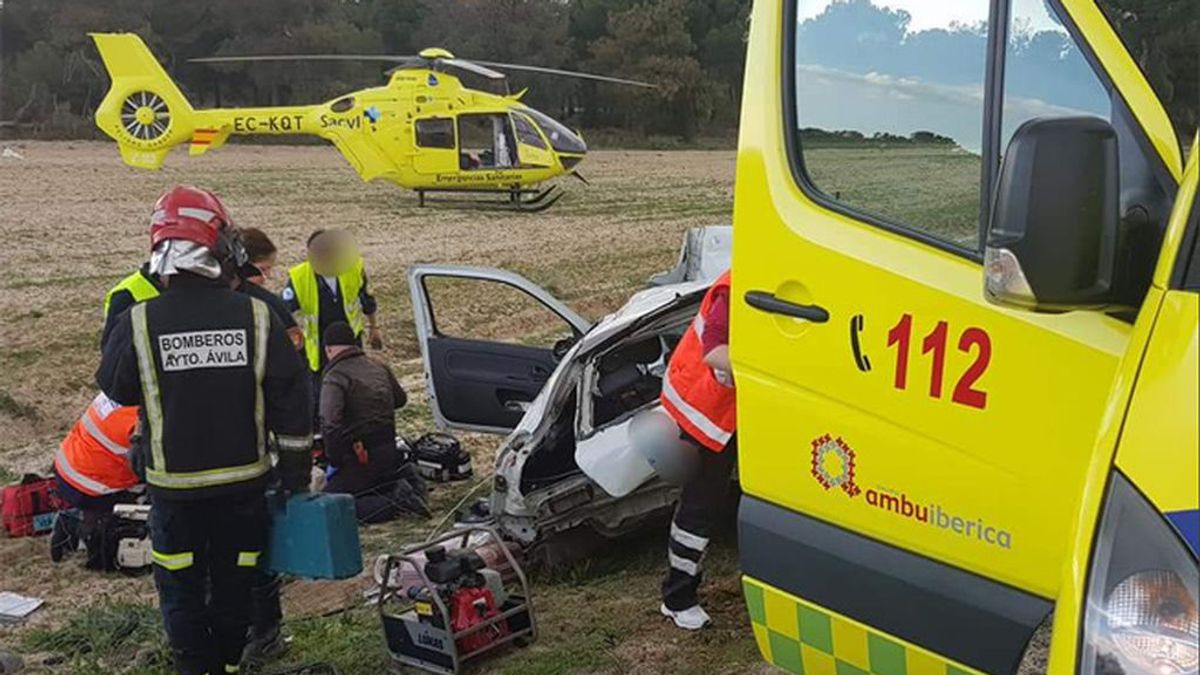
(692, 618)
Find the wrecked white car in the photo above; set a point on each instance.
(566, 462)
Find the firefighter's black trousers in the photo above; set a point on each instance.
(702, 504)
(207, 554)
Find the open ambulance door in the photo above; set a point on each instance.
(911, 455)
(487, 341)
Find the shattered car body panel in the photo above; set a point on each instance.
(567, 461)
(706, 253)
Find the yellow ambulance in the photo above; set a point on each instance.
(966, 267)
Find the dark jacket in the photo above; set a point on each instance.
(224, 375)
(359, 400)
(279, 308)
(330, 309)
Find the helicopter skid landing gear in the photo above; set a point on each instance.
(528, 201)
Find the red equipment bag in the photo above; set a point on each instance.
(28, 508)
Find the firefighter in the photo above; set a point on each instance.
(92, 474)
(330, 286)
(214, 374)
(690, 441)
(139, 286)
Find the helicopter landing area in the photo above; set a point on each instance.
(74, 220)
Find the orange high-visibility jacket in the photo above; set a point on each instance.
(691, 393)
(92, 458)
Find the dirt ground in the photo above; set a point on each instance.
(74, 222)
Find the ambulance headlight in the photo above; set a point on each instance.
(1141, 616)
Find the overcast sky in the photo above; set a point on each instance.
(927, 14)
(857, 69)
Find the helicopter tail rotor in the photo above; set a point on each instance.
(144, 111)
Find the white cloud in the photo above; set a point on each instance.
(931, 14)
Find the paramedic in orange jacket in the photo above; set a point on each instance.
(93, 474)
(698, 395)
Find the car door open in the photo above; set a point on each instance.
(487, 341)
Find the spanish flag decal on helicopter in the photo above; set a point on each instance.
(206, 139)
(203, 136)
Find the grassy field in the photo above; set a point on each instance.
(74, 220)
(934, 188)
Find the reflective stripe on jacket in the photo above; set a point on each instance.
(163, 470)
(141, 288)
(93, 456)
(692, 395)
(304, 284)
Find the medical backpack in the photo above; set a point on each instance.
(28, 507)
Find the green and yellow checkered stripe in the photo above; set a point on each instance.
(805, 639)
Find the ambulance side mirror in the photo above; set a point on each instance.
(1055, 217)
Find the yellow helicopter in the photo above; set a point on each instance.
(424, 130)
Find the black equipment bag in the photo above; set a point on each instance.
(441, 458)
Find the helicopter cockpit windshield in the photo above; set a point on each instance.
(561, 138)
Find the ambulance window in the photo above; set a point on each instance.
(435, 132)
(526, 132)
(1048, 74)
(1045, 73)
(889, 98)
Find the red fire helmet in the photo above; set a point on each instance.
(190, 213)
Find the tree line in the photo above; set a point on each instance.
(51, 78)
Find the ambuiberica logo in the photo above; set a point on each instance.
(834, 467)
(833, 464)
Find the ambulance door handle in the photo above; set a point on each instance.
(767, 302)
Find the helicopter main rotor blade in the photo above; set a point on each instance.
(436, 64)
(568, 73)
(306, 57)
(477, 67)
(474, 67)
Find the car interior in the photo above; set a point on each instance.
(629, 377)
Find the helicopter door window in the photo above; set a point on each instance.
(527, 133)
(486, 142)
(435, 132)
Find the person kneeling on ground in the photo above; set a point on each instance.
(92, 474)
(359, 397)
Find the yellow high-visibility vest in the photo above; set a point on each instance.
(141, 288)
(304, 284)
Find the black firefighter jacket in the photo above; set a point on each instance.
(215, 374)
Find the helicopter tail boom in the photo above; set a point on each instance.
(144, 111)
(147, 114)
